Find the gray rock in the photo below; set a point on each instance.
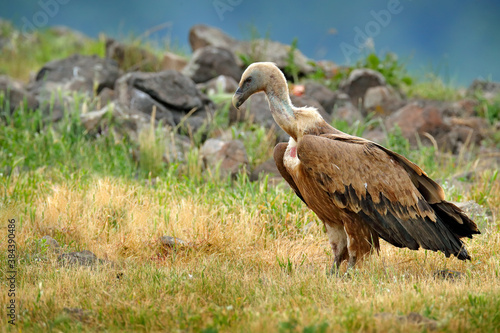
(325, 96)
(209, 62)
(105, 97)
(256, 50)
(15, 95)
(170, 241)
(173, 94)
(92, 119)
(177, 148)
(359, 81)
(229, 156)
(83, 258)
(383, 100)
(78, 73)
(345, 110)
(472, 209)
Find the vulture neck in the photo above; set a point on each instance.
(281, 107)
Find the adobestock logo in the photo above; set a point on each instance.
(222, 6)
(364, 37)
(40, 19)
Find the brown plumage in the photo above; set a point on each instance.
(359, 189)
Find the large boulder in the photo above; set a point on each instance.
(87, 74)
(209, 62)
(174, 95)
(256, 50)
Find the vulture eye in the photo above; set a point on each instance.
(248, 81)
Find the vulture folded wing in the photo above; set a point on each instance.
(362, 178)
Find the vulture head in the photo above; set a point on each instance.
(259, 76)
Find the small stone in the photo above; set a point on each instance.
(82, 258)
(448, 274)
(172, 241)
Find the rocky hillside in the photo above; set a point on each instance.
(130, 87)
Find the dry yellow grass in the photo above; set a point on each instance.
(235, 275)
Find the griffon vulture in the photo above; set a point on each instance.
(359, 189)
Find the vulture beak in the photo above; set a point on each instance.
(239, 98)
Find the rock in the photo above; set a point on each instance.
(257, 50)
(50, 243)
(256, 110)
(472, 209)
(177, 148)
(462, 108)
(92, 119)
(173, 61)
(358, 82)
(412, 318)
(466, 131)
(15, 95)
(325, 96)
(105, 97)
(201, 36)
(78, 73)
(173, 94)
(83, 258)
(230, 155)
(383, 100)
(303, 101)
(415, 119)
(266, 168)
(209, 62)
(488, 89)
(172, 241)
(447, 274)
(221, 83)
(78, 314)
(131, 57)
(344, 110)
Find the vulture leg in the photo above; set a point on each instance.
(338, 241)
(361, 240)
